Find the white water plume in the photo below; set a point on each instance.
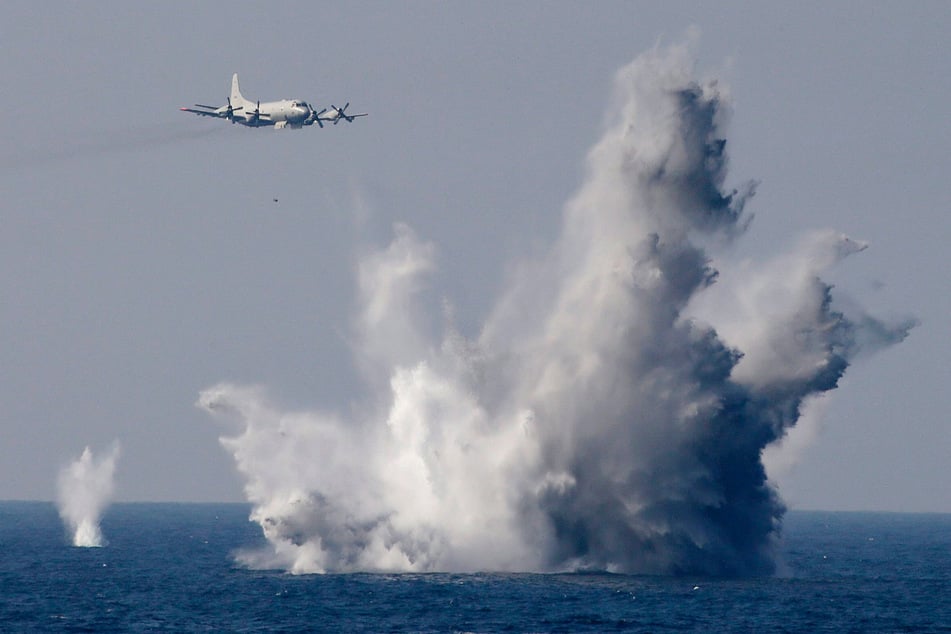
(595, 422)
(84, 490)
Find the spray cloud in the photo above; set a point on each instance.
(596, 421)
(84, 490)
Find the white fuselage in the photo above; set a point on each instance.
(277, 113)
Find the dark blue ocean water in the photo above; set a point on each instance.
(169, 567)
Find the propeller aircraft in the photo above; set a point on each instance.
(280, 114)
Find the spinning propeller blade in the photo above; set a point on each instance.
(229, 115)
(317, 117)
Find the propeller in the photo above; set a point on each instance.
(341, 113)
(256, 115)
(231, 110)
(314, 117)
(227, 114)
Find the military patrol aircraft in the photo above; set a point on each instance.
(280, 114)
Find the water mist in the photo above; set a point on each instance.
(596, 422)
(84, 490)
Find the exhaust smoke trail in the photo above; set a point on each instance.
(596, 422)
(104, 143)
(84, 490)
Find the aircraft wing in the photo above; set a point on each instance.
(206, 113)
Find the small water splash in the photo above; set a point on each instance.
(84, 490)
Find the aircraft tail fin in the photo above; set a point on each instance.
(236, 98)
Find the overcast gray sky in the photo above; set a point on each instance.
(142, 257)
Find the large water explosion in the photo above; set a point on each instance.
(595, 422)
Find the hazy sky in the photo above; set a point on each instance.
(142, 257)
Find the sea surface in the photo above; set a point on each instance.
(170, 568)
